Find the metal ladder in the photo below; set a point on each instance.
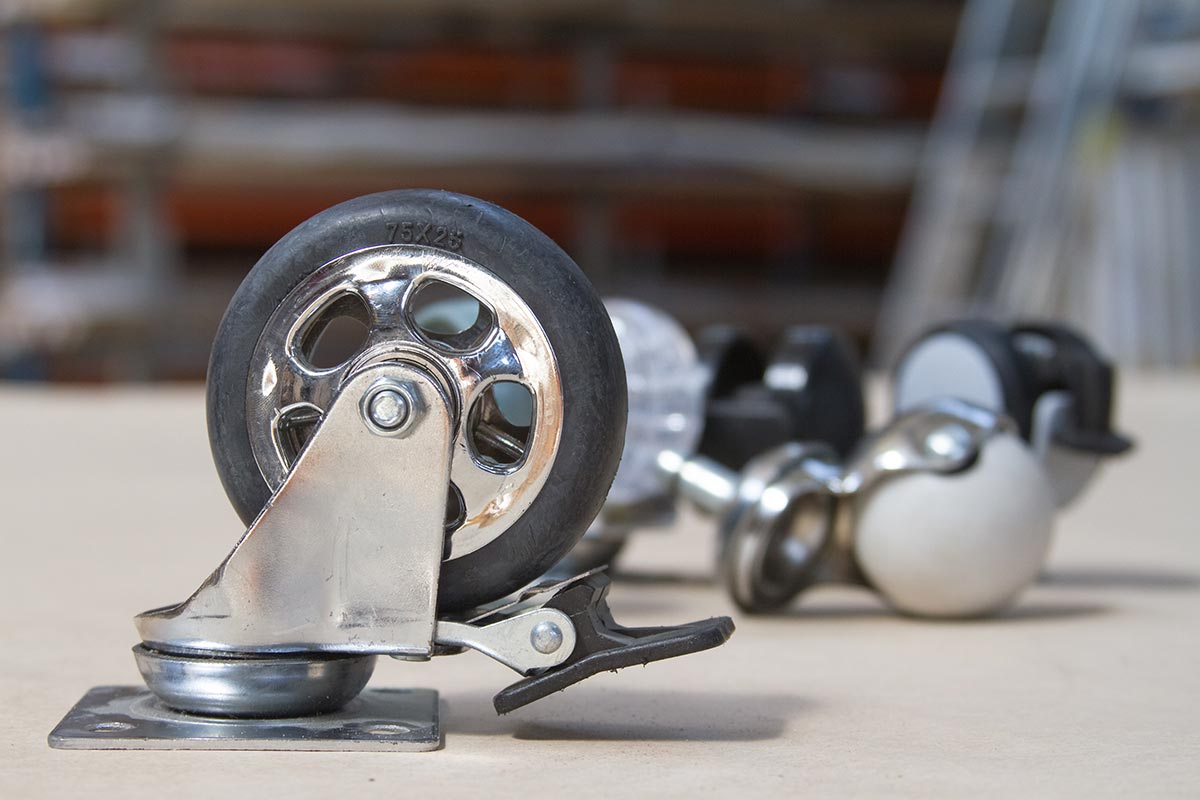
(1012, 213)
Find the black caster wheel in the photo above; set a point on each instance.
(476, 296)
(809, 391)
(816, 374)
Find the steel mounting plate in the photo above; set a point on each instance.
(131, 718)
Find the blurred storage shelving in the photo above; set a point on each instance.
(737, 161)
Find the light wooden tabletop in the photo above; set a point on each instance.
(1090, 686)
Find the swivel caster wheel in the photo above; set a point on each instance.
(417, 405)
(948, 511)
(943, 512)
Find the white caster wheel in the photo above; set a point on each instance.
(961, 544)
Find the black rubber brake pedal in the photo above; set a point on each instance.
(603, 645)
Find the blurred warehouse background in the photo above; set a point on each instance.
(877, 165)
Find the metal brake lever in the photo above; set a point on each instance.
(602, 645)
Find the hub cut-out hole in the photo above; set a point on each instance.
(448, 317)
(293, 428)
(501, 425)
(337, 333)
(114, 725)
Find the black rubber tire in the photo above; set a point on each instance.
(587, 556)
(566, 305)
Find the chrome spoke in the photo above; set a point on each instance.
(496, 360)
(306, 385)
(385, 300)
(486, 494)
(388, 335)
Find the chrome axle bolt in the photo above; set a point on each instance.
(546, 637)
(389, 409)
